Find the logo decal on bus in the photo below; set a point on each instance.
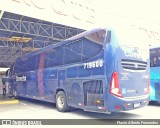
(22, 78)
(124, 90)
(135, 53)
(94, 64)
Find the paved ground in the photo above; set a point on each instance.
(24, 109)
(8, 99)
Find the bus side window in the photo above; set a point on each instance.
(77, 50)
(73, 51)
(108, 37)
(153, 57)
(155, 61)
(93, 44)
(49, 59)
(31, 63)
(54, 57)
(19, 66)
(158, 60)
(158, 57)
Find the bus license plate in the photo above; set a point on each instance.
(136, 105)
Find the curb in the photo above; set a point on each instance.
(9, 102)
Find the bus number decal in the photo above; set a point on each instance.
(94, 64)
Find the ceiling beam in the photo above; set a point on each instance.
(1, 13)
(30, 49)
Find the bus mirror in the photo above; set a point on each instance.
(108, 38)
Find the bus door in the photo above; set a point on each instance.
(93, 93)
(61, 77)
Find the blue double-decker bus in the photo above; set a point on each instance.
(155, 73)
(99, 70)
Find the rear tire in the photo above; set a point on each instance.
(61, 102)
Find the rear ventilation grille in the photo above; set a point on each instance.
(133, 64)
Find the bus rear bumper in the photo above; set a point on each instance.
(125, 104)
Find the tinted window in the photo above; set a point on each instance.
(32, 63)
(19, 66)
(54, 57)
(77, 50)
(84, 48)
(73, 51)
(93, 44)
(158, 57)
(155, 57)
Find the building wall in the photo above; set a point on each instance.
(74, 13)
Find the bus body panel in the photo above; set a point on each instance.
(155, 84)
(133, 71)
(87, 81)
(132, 65)
(154, 73)
(125, 104)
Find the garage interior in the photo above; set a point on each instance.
(21, 34)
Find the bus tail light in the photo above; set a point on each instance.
(117, 107)
(114, 86)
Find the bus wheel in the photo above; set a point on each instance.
(61, 102)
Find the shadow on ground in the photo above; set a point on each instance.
(89, 115)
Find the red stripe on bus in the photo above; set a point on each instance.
(40, 74)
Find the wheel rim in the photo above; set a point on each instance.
(60, 102)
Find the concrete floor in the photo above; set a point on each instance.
(30, 109)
